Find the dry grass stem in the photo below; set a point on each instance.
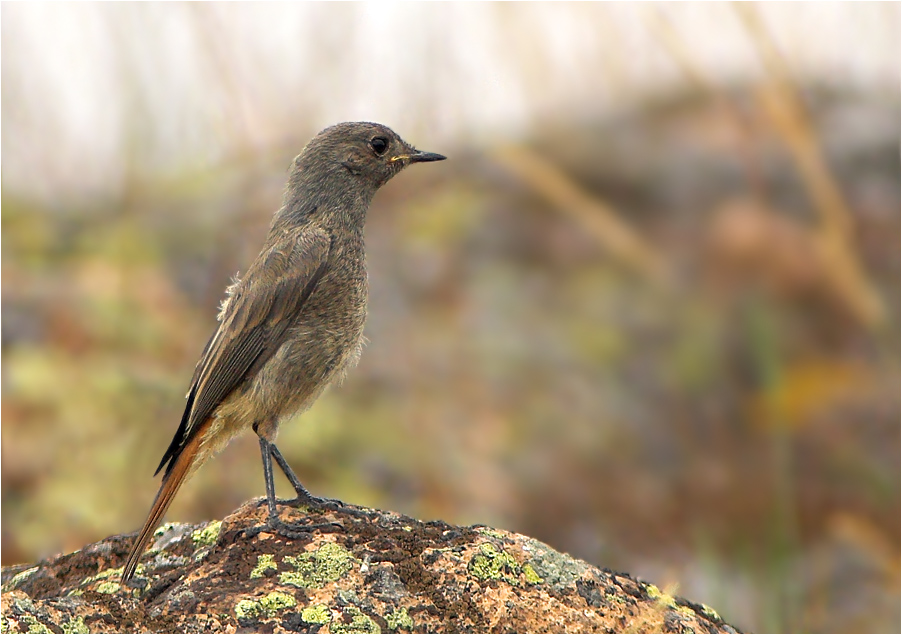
(595, 215)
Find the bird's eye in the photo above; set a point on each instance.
(379, 145)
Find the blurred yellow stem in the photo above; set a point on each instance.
(783, 105)
(596, 216)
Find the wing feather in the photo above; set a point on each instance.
(254, 323)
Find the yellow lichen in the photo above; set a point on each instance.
(264, 564)
(264, 607)
(314, 569)
(530, 574)
(208, 535)
(76, 625)
(710, 613)
(492, 563)
(19, 578)
(399, 619)
(108, 587)
(317, 614)
(360, 623)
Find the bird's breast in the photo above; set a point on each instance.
(322, 344)
(328, 332)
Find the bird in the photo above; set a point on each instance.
(293, 324)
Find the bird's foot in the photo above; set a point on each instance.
(320, 504)
(293, 531)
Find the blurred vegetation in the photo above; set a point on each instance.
(665, 340)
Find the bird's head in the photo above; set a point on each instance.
(336, 175)
(369, 153)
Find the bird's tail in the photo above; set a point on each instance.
(172, 481)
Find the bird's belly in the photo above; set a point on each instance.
(312, 357)
(320, 347)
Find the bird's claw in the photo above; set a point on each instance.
(294, 531)
(311, 502)
(319, 504)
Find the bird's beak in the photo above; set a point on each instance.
(419, 157)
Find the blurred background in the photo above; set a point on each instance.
(648, 312)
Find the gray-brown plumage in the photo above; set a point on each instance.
(294, 322)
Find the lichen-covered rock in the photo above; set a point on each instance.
(364, 573)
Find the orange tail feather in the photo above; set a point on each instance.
(172, 481)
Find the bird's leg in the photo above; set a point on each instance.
(274, 523)
(305, 498)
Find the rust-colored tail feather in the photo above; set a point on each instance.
(172, 481)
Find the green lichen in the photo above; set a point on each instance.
(105, 587)
(665, 600)
(33, 625)
(18, 579)
(246, 609)
(276, 601)
(314, 569)
(359, 623)
(162, 529)
(264, 607)
(492, 533)
(317, 614)
(492, 563)
(710, 613)
(264, 564)
(76, 625)
(208, 535)
(659, 596)
(399, 619)
(23, 606)
(103, 575)
(530, 574)
(557, 570)
(347, 597)
(202, 553)
(108, 587)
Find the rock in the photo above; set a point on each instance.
(361, 571)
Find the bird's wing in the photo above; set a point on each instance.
(253, 323)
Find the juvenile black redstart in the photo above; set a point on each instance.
(294, 322)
